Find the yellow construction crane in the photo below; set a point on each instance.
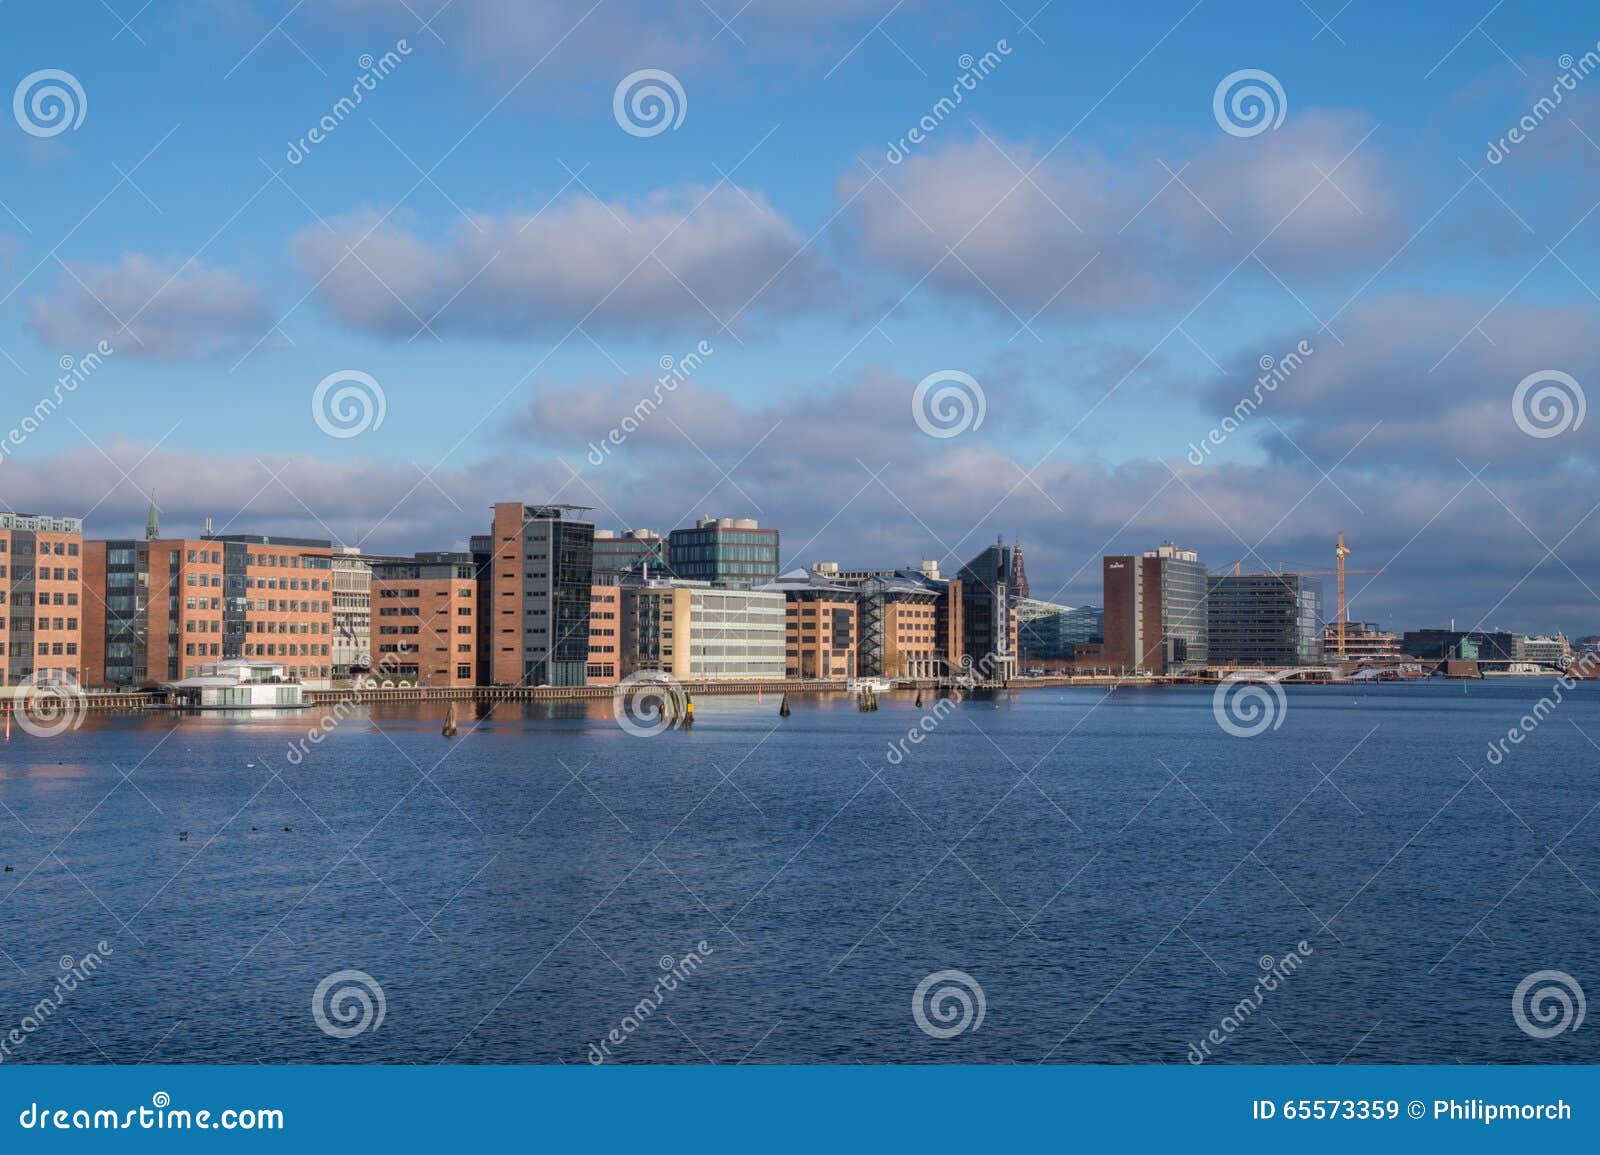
(1340, 552)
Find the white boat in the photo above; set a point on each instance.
(876, 685)
(238, 684)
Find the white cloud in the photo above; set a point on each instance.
(693, 256)
(1072, 233)
(143, 307)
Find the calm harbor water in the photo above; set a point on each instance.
(1114, 872)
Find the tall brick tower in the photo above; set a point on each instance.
(1019, 576)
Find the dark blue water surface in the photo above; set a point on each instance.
(1112, 871)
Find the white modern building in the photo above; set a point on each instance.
(239, 684)
(692, 630)
(352, 613)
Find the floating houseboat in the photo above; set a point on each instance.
(238, 684)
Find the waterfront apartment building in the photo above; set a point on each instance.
(727, 552)
(821, 626)
(1155, 610)
(537, 575)
(162, 608)
(693, 631)
(605, 633)
(1264, 619)
(425, 619)
(631, 551)
(42, 598)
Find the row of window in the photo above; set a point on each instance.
(23, 601)
(58, 549)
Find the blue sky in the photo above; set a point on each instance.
(1081, 236)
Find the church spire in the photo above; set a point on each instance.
(1019, 576)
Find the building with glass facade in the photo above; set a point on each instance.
(1264, 619)
(352, 611)
(1051, 632)
(1155, 610)
(988, 615)
(732, 553)
(1463, 645)
(536, 572)
(628, 552)
(1546, 651)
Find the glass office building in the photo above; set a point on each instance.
(732, 553)
(1264, 619)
